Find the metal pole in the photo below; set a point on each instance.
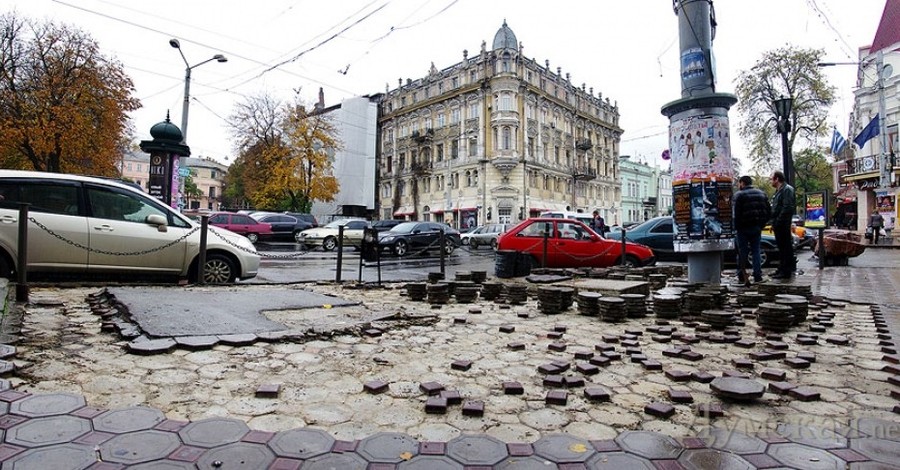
(786, 160)
(885, 167)
(624, 244)
(201, 258)
(441, 241)
(185, 106)
(546, 242)
(340, 253)
(22, 273)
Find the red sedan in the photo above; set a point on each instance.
(242, 224)
(571, 244)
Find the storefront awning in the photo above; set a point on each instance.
(467, 209)
(402, 212)
(438, 211)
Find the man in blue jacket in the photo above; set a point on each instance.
(751, 212)
(784, 206)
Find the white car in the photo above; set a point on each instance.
(84, 225)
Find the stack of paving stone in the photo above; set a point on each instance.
(568, 297)
(550, 300)
(658, 280)
(750, 299)
(799, 289)
(466, 292)
(478, 277)
(616, 276)
(611, 309)
(438, 293)
(798, 303)
(416, 291)
(696, 302)
(769, 290)
(634, 277)
(516, 294)
(774, 317)
(491, 290)
(435, 277)
(667, 305)
(635, 305)
(718, 293)
(463, 276)
(598, 273)
(717, 319)
(587, 303)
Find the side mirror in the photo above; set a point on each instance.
(159, 221)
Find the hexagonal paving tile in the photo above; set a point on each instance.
(563, 448)
(61, 456)
(335, 461)
(163, 465)
(477, 450)
(138, 447)
(301, 443)
(213, 432)
(704, 459)
(812, 436)
(132, 419)
(648, 444)
(387, 447)
(7, 351)
(47, 405)
(47, 431)
(882, 450)
(524, 463)
(800, 456)
(433, 462)
(880, 428)
(238, 455)
(732, 441)
(618, 461)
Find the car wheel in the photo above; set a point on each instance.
(465, 241)
(401, 248)
(631, 261)
(473, 244)
(297, 237)
(449, 246)
(220, 269)
(253, 237)
(329, 244)
(494, 244)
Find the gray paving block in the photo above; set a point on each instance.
(196, 343)
(732, 441)
(136, 418)
(477, 450)
(163, 465)
(800, 456)
(213, 432)
(68, 456)
(812, 436)
(705, 459)
(302, 443)
(336, 461)
(875, 427)
(648, 444)
(563, 448)
(7, 351)
(47, 431)
(525, 463)
(432, 462)
(239, 455)
(882, 450)
(138, 447)
(387, 447)
(47, 405)
(617, 461)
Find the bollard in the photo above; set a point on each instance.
(820, 248)
(624, 245)
(546, 242)
(340, 253)
(201, 258)
(441, 244)
(22, 272)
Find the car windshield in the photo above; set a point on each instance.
(337, 223)
(405, 227)
(642, 226)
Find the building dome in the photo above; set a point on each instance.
(505, 38)
(166, 131)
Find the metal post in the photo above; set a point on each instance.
(546, 242)
(441, 242)
(340, 253)
(886, 168)
(22, 272)
(186, 105)
(201, 258)
(787, 161)
(624, 244)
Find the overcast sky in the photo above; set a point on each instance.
(626, 50)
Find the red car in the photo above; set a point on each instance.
(571, 244)
(242, 224)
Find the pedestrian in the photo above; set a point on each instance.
(598, 224)
(751, 212)
(784, 205)
(876, 223)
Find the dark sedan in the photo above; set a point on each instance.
(657, 233)
(416, 237)
(284, 227)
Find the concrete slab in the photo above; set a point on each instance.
(608, 286)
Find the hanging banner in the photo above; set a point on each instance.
(816, 210)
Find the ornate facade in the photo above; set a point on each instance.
(496, 138)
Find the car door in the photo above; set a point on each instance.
(243, 224)
(57, 228)
(121, 239)
(575, 246)
(353, 232)
(282, 225)
(660, 238)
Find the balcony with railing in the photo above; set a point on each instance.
(862, 165)
(423, 137)
(584, 173)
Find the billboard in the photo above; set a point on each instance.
(816, 210)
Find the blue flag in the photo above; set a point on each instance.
(871, 130)
(838, 142)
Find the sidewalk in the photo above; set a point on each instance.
(322, 417)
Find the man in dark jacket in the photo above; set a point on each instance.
(751, 212)
(784, 205)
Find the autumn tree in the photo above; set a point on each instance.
(787, 72)
(63, 105)
(284, 154)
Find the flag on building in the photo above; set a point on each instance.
(871, 130)
(838, 142)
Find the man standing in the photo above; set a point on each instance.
(876, 223)
(751, 212)
(598, 224)
(784, 205)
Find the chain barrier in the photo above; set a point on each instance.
(112, 253)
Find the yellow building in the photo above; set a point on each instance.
(496, 138)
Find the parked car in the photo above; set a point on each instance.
(582, 217)
(658, 234)
(327, 236)
(284, 227)
(488, 236)
(418, 236)
(385, 225)
(308, 218)
(242, 224)
(465, 237)
(570, 244)
(84, 225)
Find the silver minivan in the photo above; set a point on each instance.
(83, 225)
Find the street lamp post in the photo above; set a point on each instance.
(783, 112)
(187, 84)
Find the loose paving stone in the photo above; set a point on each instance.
(387, 447)
(196, 343)
(301, 443)
(737, 388)
(742, 363)
(516, 346)
(838, 340)
(554, 335)
(781, 388)
(477, 450)
(58, 456)
(376, 387)
(796, 363)
(150, 347)
(680, 396)
(702, 377)
(436, 405)
(587, 368)
(453, 397)
(799, 456)
(461, 365)
(676, 375)
(597, 394)
(659, 409)
(573, 381)
(47, 405)
(513, 388)
(600, 361)
(652, 364)
(557, 397)
(268, 391)
(558, 347)
(773, 374)
(507, 329)
(554, 381)
(128, 420)
(735, 374)
(47, 431)
(806, 356)
(692, 356)
(431, 388)
(213, 432)
(709, 410)
(552, 369)
(563, 448)
(473, 408)
(804, 394)
(648, 444)
(138, 447)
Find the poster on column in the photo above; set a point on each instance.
(886, 204)
(703, 176)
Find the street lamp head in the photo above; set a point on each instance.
(220, 58)
(783, 107)
(174, 43)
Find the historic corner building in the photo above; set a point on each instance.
(496, 138)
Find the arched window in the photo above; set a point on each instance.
(507, 138)
(475, 177)
(469, 178)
